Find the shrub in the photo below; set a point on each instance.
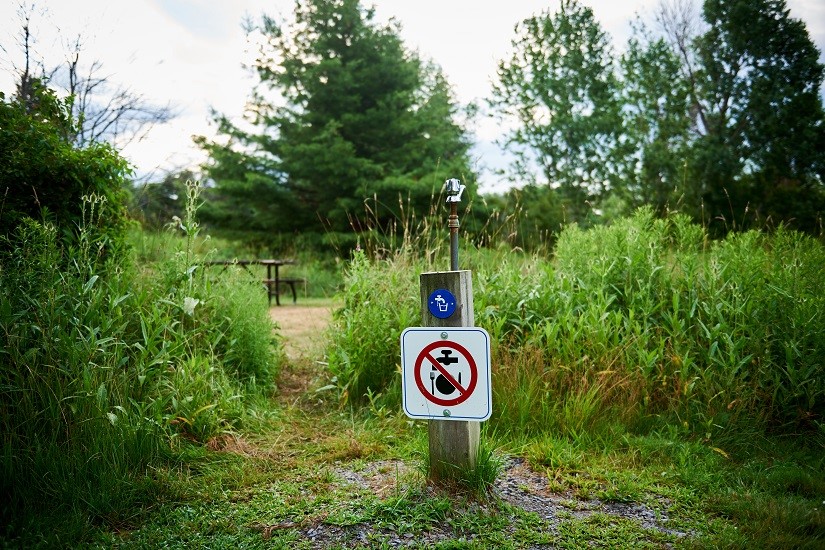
(44, 176)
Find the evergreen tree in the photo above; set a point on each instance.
(356, 117)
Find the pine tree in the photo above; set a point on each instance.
(356, 117)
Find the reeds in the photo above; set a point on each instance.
(640, 320)
(105, 368)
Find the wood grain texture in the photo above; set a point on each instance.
(453, 444)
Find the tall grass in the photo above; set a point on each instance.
(379, 301)
(668, 322)
(629, 323)
(380, 293)
(106, 368)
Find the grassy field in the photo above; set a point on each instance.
(651, 389)
(319, 477)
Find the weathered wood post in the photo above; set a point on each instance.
(445, 364)
(453, 444)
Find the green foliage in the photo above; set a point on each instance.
(45, 177)
(726, 124)
(655, 98)
(560, 86)
(642, 318)
(105, 370)
(622, 491)
(760, 115)
(659, 321)
(358, 117)
(528, 218)
(488, 467)
(154, 204)
(378, 305)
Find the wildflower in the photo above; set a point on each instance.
(189, 304)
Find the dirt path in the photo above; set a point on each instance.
(303, 327)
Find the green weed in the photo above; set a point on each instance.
(107, 366)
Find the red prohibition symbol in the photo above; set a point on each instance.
(426, 357)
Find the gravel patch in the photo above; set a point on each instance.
(518, 485)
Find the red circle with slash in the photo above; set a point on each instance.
(426, 356)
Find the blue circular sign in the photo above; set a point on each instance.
(441, 303)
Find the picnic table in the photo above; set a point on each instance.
(271, 283)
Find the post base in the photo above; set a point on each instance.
(453, 448)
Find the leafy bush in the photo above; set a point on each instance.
(44, 176)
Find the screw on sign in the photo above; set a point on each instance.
(443, 379)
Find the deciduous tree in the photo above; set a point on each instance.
(560, 86)
(721, 116)
(102, 109)
(756, 109)
(654, 144)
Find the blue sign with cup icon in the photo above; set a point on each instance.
(441, 303)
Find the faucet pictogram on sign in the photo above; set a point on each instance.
(441, 303)
(439, 381)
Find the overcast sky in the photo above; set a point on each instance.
(190, 52)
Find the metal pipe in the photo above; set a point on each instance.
(453, 225)
(454, 190)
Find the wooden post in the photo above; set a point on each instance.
(453, 443)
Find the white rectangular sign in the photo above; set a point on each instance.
(445, 373)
